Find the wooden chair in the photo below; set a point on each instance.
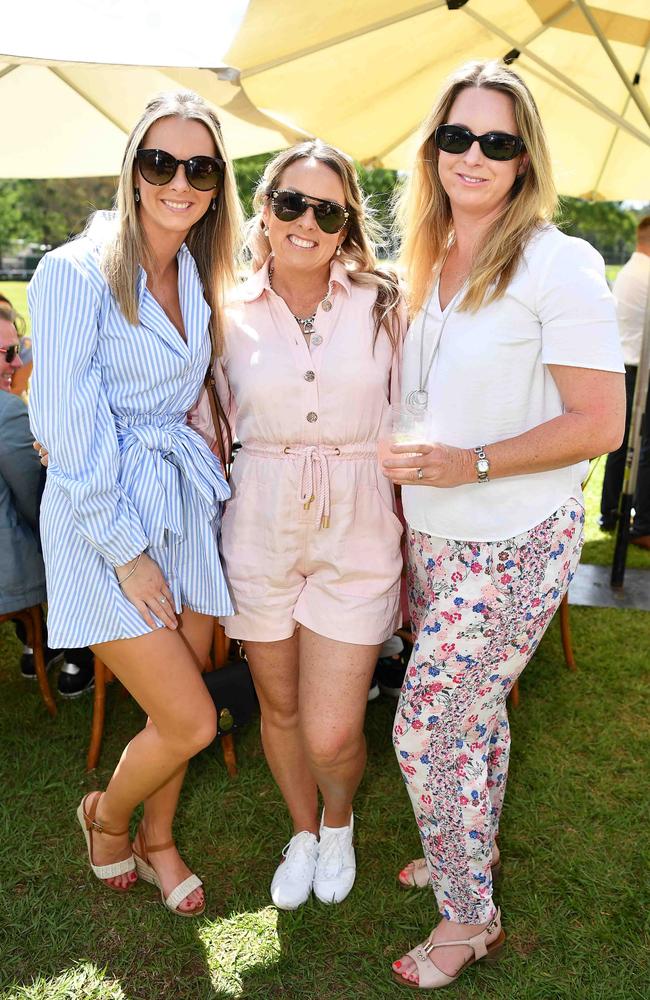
(103, 676)
(31, 619)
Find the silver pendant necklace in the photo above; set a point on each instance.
(307, 323)
(418, 399)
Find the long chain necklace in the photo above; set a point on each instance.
(418, 399)
(307, 323)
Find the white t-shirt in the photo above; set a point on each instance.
(631, 290)
(489, 382)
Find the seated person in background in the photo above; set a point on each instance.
(23, 372)
(22, 575)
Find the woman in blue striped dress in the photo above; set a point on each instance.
(122, 325)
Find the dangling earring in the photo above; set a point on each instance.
(136, 195)
(338, 250)
(266, 231)
(213, 205)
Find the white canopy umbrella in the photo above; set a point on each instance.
(77, 74)
(364, 75)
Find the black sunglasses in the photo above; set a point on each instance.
(494, 145)
(289, 205)
(158, 167)
(10, 352)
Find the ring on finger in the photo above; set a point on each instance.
(419, 473)
(162, 599)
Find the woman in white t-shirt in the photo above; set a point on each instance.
(512, 364)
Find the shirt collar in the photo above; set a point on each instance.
(258, 282)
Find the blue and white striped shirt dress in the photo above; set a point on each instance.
(126, 473)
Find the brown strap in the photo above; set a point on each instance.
(220, 422)
(159, 847)
(146, 850)
(93, 824)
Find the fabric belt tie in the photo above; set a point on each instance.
(314, 470)
(314, 479)
(174, 452)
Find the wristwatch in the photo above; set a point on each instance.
(482, 465)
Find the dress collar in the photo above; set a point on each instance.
(257, 283)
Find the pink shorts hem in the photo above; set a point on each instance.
(237, 627)
(242, 628)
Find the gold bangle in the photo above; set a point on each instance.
(131, 571)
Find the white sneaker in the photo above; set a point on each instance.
(336, 868)
(293, 877)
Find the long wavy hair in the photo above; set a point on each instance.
(424, 210)
(213, 241)
(362, 231)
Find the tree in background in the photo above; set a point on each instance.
(54, 210)
(49, 212)
(11, 220)
(607, 225)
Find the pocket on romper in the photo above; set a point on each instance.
(256, 520)
(369, 550)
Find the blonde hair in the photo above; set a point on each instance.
(362, 232)
(425, 210)
(213, 241)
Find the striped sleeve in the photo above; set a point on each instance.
(69, 410)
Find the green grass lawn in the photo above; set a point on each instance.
(574, 842)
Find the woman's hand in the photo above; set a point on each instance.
(42, 452)
(147, 590)
(441, 465)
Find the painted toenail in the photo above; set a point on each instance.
(397, 964)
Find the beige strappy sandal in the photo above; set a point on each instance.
(430, 977)
(88, 823)
(148, 873)
(418, 876)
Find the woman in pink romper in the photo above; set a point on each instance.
(310, 536)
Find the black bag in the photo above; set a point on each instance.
(231, 689)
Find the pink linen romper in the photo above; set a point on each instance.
(310, 535)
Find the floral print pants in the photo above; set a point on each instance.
(479, 610)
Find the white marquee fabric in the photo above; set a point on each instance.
(364, 75)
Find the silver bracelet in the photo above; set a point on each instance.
(131, 571)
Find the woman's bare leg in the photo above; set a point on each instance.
(333, 694)
(275, 670)
(160, 808)
(161, 674)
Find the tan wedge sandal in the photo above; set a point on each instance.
(88, 823)
(148, 873)
(418, 876)
(430, 977)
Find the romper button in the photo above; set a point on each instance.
(316, 339)
(312, 417)
(309, 376)
(327, 305)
